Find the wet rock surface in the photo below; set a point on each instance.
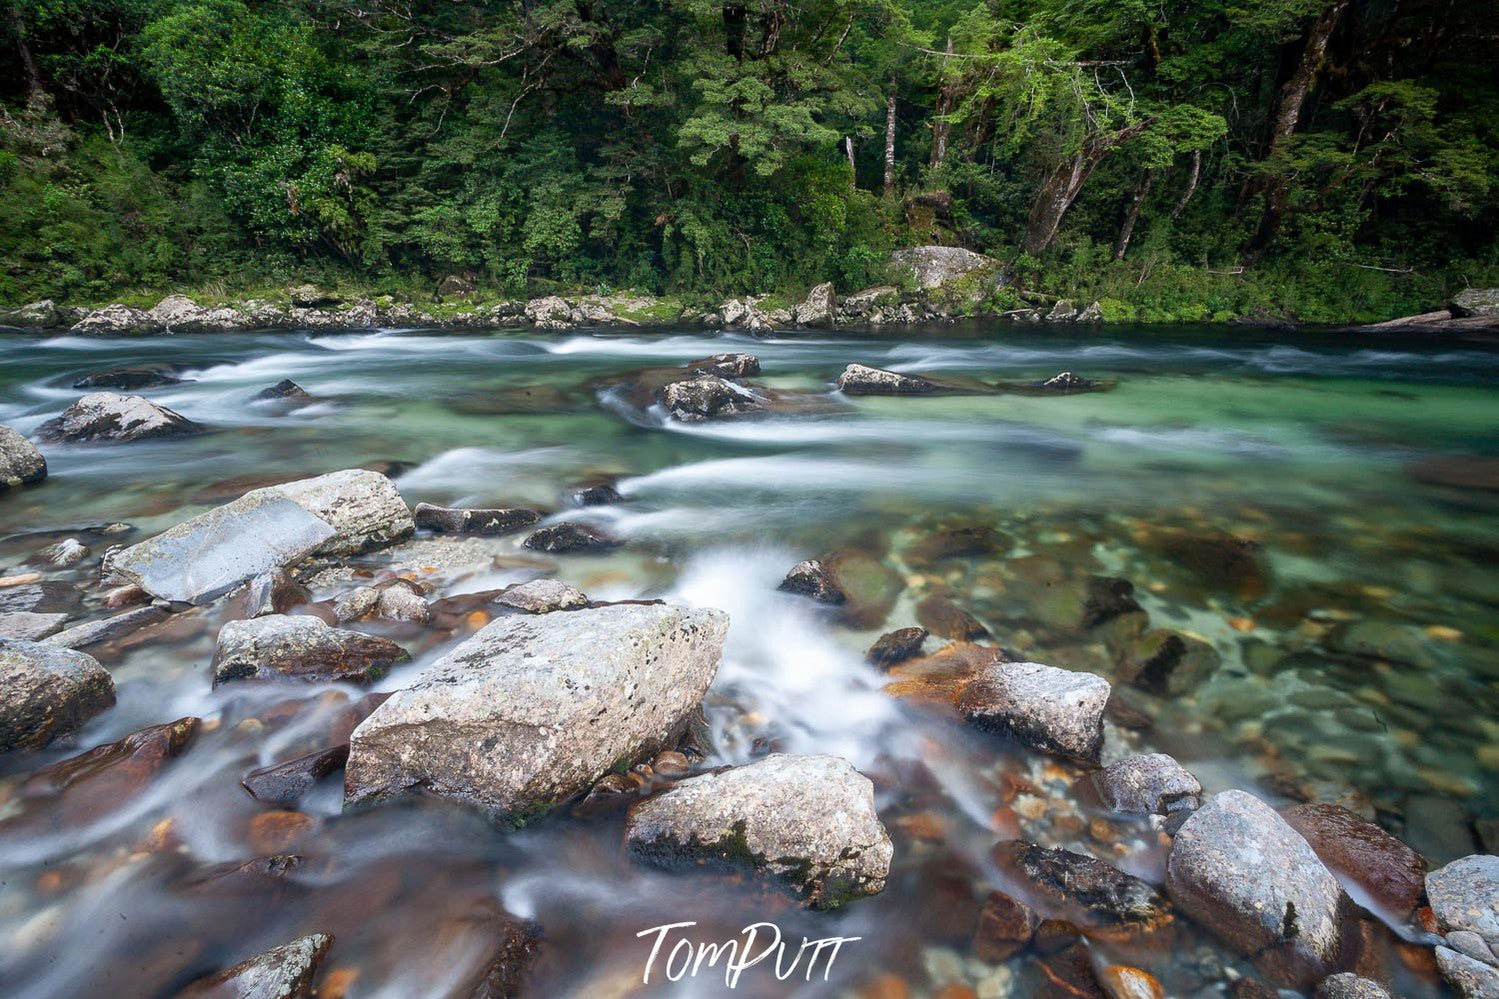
(108, 629)
(896, 647)
(1042, 707)
(108, 418)
(1239, 870)
(129, 379)
(493, 520)
(265, 530)
(727, 365)
(46, 692)
(572, 537)
(808, 821)
(287, 783)
(1082, 889)
(278, 647)
(20, 462)
(861, 586)
(1005, 928)
(860, 379)
(1376, 864)
(285, 972)
(533, 709)
(707, 396)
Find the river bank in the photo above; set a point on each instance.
(929, 586)
(930, 286)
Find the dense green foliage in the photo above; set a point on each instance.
(1184, 159)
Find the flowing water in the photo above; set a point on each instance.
(1321, 514)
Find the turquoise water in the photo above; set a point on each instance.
(1354, 626)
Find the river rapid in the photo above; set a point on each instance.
(1307, 512)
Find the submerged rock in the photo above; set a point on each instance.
(1383, 868)
(287, 783)
(1167, 662)
(108, 629)
(1005, 929)
(20, 462)
(284, 390)
(533, 709)
(300, 648)
(82, 788)
(1241, 871)
(862, 587)
(46, 692)
(707, 396)
(542, 596)
(129, 379)
(1042, 707)
(109, 418)
(808, 821)
(943, 618)
(497, 520)
(571, 537)
(895, 647)
(1153, 784)
(266, 529)
(595, 494)
(859, 379)
(284, 972)
(1083, 889)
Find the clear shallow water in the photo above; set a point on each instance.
(1357, 648)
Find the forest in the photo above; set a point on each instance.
(1180, 159)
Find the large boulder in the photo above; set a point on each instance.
(533, 709)
(278, 647)
(20, 461)
(115, 320)
(1470, 978)
(1241, 871)
(936, 266)
(284, 972)
(110, 418)
(1476, 302)
(180, 314)
(808, 821)
(817, 308)
(46, 691)
(707, 396)
(1042, 707)
(34, 315)
(263, 530)
(860, 379)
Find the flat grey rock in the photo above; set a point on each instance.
(533, 709)
(266, 529)
(808, 821)
(542, 596)
(107, 629)
(1043, 707)
(20, 462)
(1241, 871)
(30, 626)
(1349, 986)
(46, 691)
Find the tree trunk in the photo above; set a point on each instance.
(1065, 182)
(1132, 214)
(1192, 179)
(28, 61)
(1287, 117)
(853, 171)
(890, 138)
(941, 127)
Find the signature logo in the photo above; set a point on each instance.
(756, 943)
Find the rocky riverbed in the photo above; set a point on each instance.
(415, 664)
